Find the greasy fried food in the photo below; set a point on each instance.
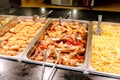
(69, 39)
(18, 37)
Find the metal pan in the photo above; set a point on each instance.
(16, 37)
(104, 53)
(81, 67)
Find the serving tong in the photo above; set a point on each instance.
(66, 17)
(36, 17)
(60, 21)
(46, 14)
(43, 65)
(53, 68)
(69, 14)
(98, 29)
(58, 53)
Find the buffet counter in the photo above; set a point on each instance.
(66, 36)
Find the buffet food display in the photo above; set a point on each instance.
(105, 49)
(74, 40)
(18, 34)
(68, 39)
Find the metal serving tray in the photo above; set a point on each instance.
(35, 45)
(11, 26)
(108, 31)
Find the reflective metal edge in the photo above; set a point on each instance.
(90, 69)
(88, 48)
(79, 68)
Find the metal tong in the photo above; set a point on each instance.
(60, 21)
(68, 15)
(43, 65)
(98, 29)
(46, 14)
(36, 17)
(53, 68)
